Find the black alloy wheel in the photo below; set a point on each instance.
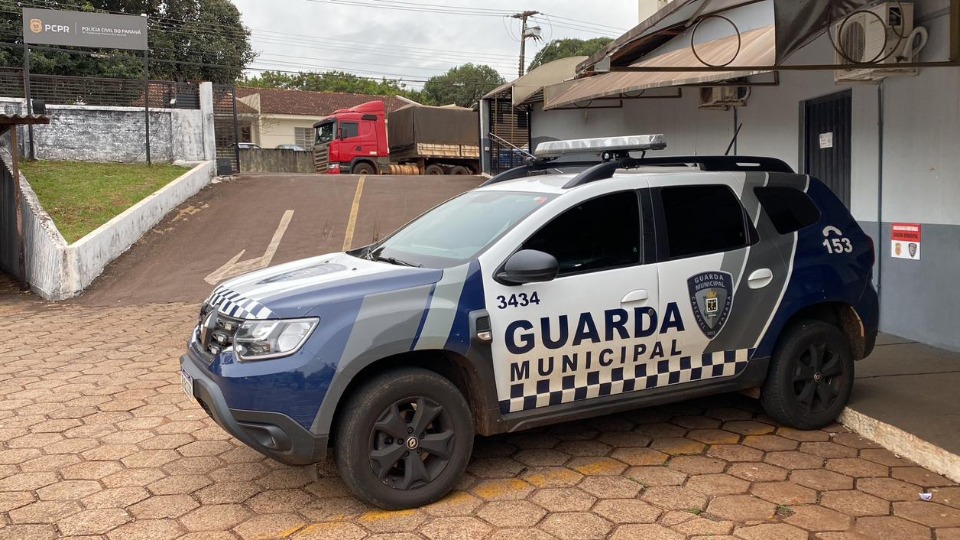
(810, 377)
(411, 443)
(403, 438)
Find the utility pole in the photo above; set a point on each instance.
(525, 33)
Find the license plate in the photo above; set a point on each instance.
(186, 383)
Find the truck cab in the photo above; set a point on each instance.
(352, 141)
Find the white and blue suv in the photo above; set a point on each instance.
(554, 291)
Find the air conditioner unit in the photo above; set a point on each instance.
(882, 35)
(723, 97)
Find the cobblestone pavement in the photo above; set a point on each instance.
(98, 441)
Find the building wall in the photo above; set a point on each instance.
(274, 130)
(115, 134)
(919, 161)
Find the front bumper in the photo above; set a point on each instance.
(272, 434)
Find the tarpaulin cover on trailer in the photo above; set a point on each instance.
(419, 124)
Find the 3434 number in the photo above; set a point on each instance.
(518, 300)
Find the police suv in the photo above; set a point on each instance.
(555, 291)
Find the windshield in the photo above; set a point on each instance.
(457, 230)
(325, 132)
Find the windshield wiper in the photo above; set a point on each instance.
(394, 260)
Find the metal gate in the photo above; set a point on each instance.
(827, 130)
(509, 135)
(226, 130)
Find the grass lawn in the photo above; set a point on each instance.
(83, 196)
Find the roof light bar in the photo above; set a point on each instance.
(613, 145)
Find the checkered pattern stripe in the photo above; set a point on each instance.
(233, 305)
(532, 394)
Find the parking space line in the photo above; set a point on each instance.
(354, 210)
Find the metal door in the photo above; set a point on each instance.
(225, 128)
(827, 127)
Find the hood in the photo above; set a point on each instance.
(295, 289)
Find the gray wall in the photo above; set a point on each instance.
(117, 134)
(919, 162)
(278, 161)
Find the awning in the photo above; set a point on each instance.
(530, 85)
(798, 22)
(757, 48)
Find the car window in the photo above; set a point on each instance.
(789, 209)
(598, 234)
(350, 130)
(703, 219)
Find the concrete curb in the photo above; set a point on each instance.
(57, 271)
(903, 444)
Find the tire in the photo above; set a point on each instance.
(363, 168)
(460, 170)
(810, 377)
(433, 170)
(378, 420)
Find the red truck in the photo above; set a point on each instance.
(422, 140)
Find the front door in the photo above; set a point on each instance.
(591, 331)
(827, 154)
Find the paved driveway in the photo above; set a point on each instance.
(97, 440)
(270, 218)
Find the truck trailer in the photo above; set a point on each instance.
(414, 139)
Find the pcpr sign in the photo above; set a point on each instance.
(905, 241)
(82, 29)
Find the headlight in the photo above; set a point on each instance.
(262, 340)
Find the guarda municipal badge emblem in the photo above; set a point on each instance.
(912, 248)
(711, 294)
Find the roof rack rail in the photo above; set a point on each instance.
(704, 163)
(603, 170)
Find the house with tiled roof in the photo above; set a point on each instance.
(287, 116)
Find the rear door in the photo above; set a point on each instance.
(716, 270)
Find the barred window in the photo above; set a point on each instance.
(303, 137)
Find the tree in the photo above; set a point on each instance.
(463, 85)
(330, 81)
(565, 48)
(189, 40)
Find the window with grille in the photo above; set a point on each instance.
(303, 137)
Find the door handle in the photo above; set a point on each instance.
(639, 295)
(760, 278)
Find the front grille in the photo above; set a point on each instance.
(321, 158)
(215, 331)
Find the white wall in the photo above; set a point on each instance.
(279, 129)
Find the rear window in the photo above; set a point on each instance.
(789, 209)
(702, 220)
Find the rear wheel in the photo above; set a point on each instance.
(404, 439)
(363, 168)
(460, 170)
(433, 170)
(810, 377)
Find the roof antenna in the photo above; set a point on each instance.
(732, 142)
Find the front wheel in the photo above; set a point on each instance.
(363, 168)
(810, 377)
(404, 439)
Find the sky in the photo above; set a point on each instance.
(413, 40)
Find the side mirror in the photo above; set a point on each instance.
(528, 266)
